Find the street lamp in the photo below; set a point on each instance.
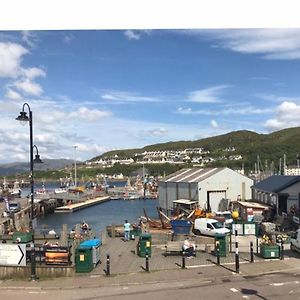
(75, 171)
(24, 118)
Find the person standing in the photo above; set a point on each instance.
(126, 230)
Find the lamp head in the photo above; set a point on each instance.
(23, 118)
(37, 159)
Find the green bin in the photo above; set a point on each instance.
(144, 245)
(221, 240)
(135, 232)
(84, 260)
(22, 237)
(269, 251)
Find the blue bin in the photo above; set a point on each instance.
(181, 226)
(93, 244)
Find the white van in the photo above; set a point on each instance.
(209, 226)
(226, 215)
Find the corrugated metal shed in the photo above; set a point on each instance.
(276, 183)
(191, 175)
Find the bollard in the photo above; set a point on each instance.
(256, 245)
(218, 254)
(237, 259)
(107, 265)
(183, 260)
(281, 250)
(251, 252)
(147, 261)
(32, 262)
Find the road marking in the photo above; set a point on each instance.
(234, 290)
(125, 288)
(246, 297)
(284, 283)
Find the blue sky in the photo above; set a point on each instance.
(116, 89)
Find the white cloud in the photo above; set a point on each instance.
(13, 95)
(29, 87)
(132, 35)
(10, 59)
(31, 73)
(29, 38)
(214, 124)
(287, 115)
(233, 110)
(275, 98)
(155, 132)
(122, 97)
(68, 38)
(91, 115)
(271, 43)
(208, 95)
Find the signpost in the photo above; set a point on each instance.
(12, 255)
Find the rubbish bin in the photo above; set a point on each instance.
(84, 260)
(144, 245)
(22, 237)
(95, 244)
(222, 241)
(135, 232)
(269, 251)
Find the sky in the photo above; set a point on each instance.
(106, 89)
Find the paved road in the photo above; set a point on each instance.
(271, 286)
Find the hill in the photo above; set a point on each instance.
(249, 144)
(22, 167)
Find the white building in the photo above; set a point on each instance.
(212, 188)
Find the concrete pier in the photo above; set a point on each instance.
(81, 205)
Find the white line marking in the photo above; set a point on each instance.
(234, 290)
(284, 283)
(246, 297)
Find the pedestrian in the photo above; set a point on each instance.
(188, 248)
(126, 230)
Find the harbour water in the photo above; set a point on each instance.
(98, 216)
(101, 215)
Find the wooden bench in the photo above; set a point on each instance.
(175, 248)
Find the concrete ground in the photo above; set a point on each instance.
(127, 268)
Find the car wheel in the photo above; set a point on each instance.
(197, 232)
(292, 247)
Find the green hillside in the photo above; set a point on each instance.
(270, 147)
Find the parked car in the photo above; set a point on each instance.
(211, 227)
(295, 241)
(14, 207)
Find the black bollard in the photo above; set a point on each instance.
(107, 265)
(251, 252)
(183, 260)
(237, 259)
(218, 253)
(147, 261)
(256, 245)
(281, 250)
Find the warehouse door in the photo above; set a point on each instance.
(215, 201)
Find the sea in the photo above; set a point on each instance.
(98, 216)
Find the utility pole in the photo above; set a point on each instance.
(75, 168)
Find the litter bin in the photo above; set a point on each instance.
(135, 232)
(144, 245)
(222, 241)
(95, 244)
(22, 237)
(269, 251)
(84, 260)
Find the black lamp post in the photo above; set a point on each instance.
(24, 118)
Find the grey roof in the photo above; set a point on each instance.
(191, 175)
(276, 183)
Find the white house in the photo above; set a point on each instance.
(212, 188)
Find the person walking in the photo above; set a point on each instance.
(126, 230)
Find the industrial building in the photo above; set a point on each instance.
(281, 192)
(212, 188)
